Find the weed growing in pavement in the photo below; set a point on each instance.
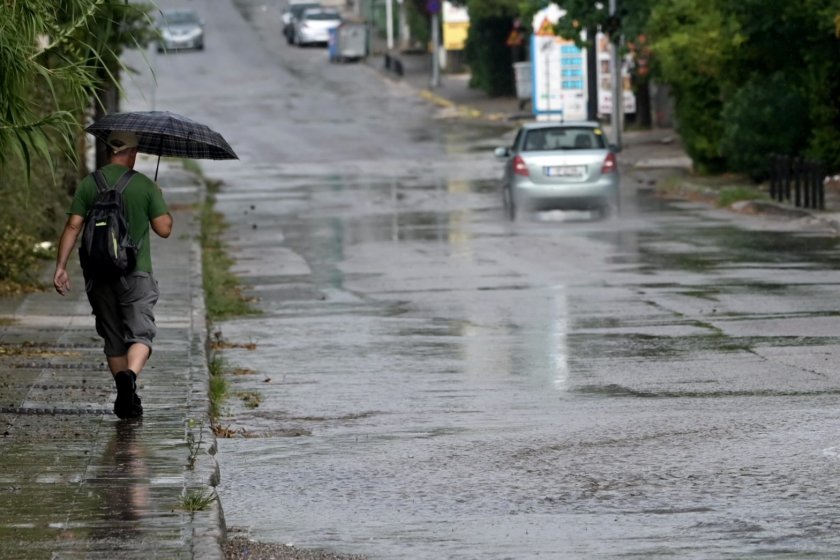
(193, 443)
(218, 386)
(197, 500)
(252, 399)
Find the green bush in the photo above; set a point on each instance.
(700, 125)
(824, 91)
(20, 261)
(767, 115)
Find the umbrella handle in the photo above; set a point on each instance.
(160, 146)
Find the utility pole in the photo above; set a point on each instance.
(389, 23)
(433, 6)
(615, 72)
(591, 74)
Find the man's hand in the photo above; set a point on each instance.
(61, 281)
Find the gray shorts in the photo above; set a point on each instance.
(124, 311)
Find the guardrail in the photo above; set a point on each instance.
(797, 180)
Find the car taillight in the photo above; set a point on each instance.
(519, 167)
(609, 163)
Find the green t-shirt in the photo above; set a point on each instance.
(143, 202)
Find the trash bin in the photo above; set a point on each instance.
(522, 76)
(332, 44)
(351, 41)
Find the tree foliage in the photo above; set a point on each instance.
(55, 58)
(60, 47)
(729, 66)
(487, 53)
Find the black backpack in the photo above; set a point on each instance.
(107, 251)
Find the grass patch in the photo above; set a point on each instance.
(730, 195)
(192, 166)
(721, 190)
(222, 289)
(197, 500)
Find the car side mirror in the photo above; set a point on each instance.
(502, 152)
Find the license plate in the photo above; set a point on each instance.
(565, 171)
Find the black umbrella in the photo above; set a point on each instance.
(162, 133)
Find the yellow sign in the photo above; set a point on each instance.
(546, 29)
(515, 39)
(455, 35)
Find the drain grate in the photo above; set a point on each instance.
(52, 365)
(60, 386)
(53, 411)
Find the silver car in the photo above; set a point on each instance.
(313, 26)
(563, 166)
(180, 29)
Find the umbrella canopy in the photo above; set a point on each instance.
(162, 133)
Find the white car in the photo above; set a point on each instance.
(291, 12)
(313, 26)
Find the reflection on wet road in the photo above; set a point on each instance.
(438, 383)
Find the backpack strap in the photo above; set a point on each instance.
(121, 184)
(101, 183)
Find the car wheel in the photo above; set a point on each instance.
(509, 202)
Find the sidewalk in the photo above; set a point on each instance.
(77, 482)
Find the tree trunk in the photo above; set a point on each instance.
(109, 102)
(644, 117)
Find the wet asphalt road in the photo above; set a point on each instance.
(435, 382)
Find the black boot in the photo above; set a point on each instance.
(127, 404)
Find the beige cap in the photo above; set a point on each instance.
(119, 140)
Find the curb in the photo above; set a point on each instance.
(209, 528)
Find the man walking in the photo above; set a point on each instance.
(123, 307)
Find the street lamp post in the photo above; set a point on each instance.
(617, 90)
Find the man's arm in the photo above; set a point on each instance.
(72, 229)
(162, 225)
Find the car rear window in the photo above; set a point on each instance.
(298, 9)
(321, 15)
(178, 18)
(565, 138)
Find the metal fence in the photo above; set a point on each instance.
(797, 180)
